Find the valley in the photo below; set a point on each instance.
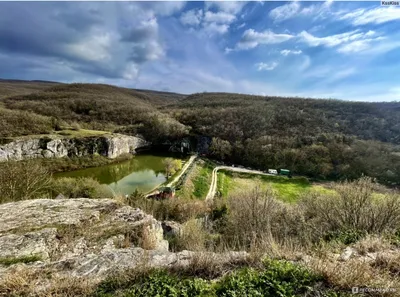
(121, 192)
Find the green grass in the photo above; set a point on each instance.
(224, 184)
(287, 189)
(8, 261)
(203, 180)
(275, 278)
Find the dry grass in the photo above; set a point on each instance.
(22, 281)
(372, 244)
(193, 237)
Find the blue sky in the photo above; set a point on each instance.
(343, 50)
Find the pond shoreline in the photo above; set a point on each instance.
(142, 172)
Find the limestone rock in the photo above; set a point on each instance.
(171, 228)
(53, 146)
(86, 238)
(347, 254)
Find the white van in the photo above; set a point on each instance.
(272, 171)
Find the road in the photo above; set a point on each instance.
(184, 168)
(176, 179)
(213, 187)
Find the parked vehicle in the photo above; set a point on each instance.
(273, 171)
(285, 172)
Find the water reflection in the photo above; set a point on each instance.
(143, 172)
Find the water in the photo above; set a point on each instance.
(142, 173)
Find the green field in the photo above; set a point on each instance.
(286, 189)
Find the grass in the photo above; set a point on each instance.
(288, 190)
(198, 182)
(273, 278)
(81, 133)
(202, 181)
(8, 261)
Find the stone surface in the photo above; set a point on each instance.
(347, 253)
(86, 238)
(111, 146)
(171, 228)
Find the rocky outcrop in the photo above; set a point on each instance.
(109, 145)
(84, 238)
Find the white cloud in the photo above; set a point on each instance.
(233, 7)
(166, 8)
(241, 25)
(284, 12)
(351, 41)
(211, 22)
(214, 28)
(373, 16)
(95, 48)
(192, 17)
(251, 39)
(266, 66)
(356, 46)
(286, 52)
(219, 17)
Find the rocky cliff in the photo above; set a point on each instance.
(81, 238)
(111, 146)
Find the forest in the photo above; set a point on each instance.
(321, 139)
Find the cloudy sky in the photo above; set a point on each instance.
(344, 50)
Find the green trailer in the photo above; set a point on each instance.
(284, 172)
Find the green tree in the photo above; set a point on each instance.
(220, 148)
(171, 166)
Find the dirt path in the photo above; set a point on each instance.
(213, 186)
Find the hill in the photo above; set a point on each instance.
(21, 87)
(319, 138)
(91, 106)
(323, 139)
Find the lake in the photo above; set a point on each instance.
(142, 173)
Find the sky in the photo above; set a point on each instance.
(340, 50)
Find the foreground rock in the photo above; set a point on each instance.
(83, 238)
(54, 146)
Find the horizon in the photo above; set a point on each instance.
(189, 94)
(323, 50)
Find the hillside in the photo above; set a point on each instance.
(319, 138)
(22, 87)
(91, 106)
(323, 139)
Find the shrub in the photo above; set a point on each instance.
(83, 187)
(23, 180)
(258, 219)
(352, 212)
(171, 209)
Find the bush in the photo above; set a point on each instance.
(11, 123)
(83, 187)
(171, 209)
(353, 211)
(257, 218)
(23, 180)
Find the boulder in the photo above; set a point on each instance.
(90, 238)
